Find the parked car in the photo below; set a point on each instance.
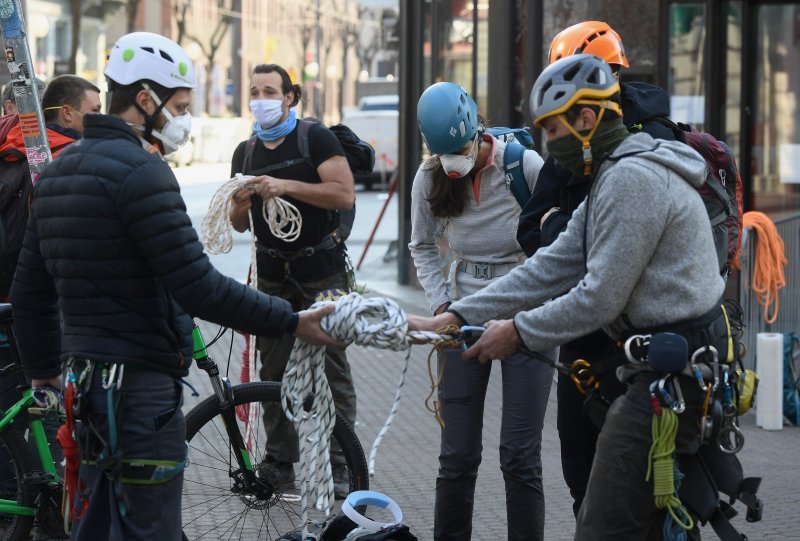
(376, 121)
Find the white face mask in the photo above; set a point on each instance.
(175, 132)
(457, 166)
(266, 112)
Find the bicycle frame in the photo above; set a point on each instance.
(223, 390)
(11, 507)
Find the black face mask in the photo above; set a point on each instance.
(568, 150)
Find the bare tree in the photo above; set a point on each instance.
(349, 34)
(77, 8)
(209, 48)
(369, 40)
(132, 9)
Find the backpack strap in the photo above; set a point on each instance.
(304, 126)
(515, 175)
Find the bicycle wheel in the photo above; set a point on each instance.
(214, 506)
(16, 465)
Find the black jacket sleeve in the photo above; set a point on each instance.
(155, 217)
(37, 321)
(545, 196)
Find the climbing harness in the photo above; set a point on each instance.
(110, 459)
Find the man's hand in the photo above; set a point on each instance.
(266, 186)
(241, 199)
(309, 330)
(425, 323)
(499, 341)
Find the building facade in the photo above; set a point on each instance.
(732, 68)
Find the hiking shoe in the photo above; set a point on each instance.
(281, 472)
(341, 481)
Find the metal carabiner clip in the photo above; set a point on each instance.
(680, 403)
(638, 341)
(698, 374)
(662, 389)
(730, 439)
(114, 378)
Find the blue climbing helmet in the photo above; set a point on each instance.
(447, 117)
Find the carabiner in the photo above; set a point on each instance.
(637, 341)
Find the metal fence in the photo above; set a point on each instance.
(789, 297)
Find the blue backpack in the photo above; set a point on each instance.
(517, 141)
(791, 378)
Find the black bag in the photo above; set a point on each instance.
(360, 157)
(15, 191)
(722, 192)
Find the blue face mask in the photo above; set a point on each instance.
(276, 132)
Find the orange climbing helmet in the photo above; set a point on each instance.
(589, 37)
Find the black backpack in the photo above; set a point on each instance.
(360, 157)
(15, 192)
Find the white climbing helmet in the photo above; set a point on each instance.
(144, 55)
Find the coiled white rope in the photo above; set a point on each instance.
(374, 321)
(282, 217)
(284, 221)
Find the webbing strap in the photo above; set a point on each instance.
(723, 528)
(141, 471)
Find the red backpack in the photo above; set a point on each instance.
(721, 192)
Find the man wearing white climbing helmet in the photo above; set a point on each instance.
(637, 258)
(110, 251)
(160, 67)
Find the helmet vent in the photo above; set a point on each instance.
(149, 50)
(166, 56)
(572, 72)
(560, 94)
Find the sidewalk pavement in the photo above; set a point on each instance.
(406, 463)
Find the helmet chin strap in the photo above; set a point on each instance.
(586, 141)
(150, 120)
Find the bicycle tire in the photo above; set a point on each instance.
(218, 512)
(21, 463)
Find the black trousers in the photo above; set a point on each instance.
(576, 433)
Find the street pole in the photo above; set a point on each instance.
(23, 81)
(317, 86)
(236, 65)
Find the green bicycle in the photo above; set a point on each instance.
(28, 464)
(229, 490)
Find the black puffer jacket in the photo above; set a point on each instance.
(110, 244)
(556, 186)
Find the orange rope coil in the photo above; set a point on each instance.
(770, 259)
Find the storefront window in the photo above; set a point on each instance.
(449, 41)
(732, 68)
(776, 122)
(685, 76)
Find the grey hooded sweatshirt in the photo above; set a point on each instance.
(649, 255)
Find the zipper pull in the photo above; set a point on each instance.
(722, 176)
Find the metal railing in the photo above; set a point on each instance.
(789, 297)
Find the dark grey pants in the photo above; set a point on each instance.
(151, 426)
(526, 387)
(282, 441)
(619, 503)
